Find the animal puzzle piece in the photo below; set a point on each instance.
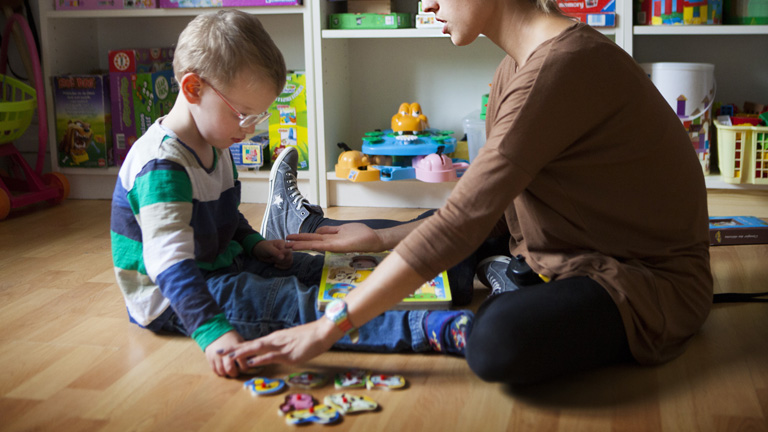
(353, 378)
(320, 414)
(307, 379)
(264, 386)
(349, 403)
(295, 402)
(385, 382)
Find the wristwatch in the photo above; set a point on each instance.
(336, 311)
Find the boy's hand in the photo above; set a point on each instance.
(275, 252)
(224, 365)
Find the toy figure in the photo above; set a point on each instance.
(409, 121)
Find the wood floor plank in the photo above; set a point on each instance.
(70, 360)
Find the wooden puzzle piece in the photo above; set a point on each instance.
(295, 402)
(321, 414)
(385, 382)
(307, 379)
(348, 403)
(264, 386)
(353, 378)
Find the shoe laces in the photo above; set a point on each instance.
(294, 195)
(496, 286)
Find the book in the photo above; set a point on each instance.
(342, 272)
(736, 230)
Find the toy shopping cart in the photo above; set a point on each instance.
(20, 185)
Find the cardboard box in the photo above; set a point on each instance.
(288, 120)
(103, 4)
(224, 3)
(83, 120)
(735, 230)
(369, 6)
(607, 19)
(250, 153)
(369, 21)
(142, 89)
(587, 6)
(427, 19)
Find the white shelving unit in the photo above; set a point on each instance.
(78, 42)
(360, 78)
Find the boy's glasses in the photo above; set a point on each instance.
(246, 121)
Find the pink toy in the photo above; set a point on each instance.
(437, 167)
(296, 401)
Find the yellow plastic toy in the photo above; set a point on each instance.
(355, 166)
(409, 121)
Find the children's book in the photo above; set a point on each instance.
(736, 230)
(342, 272)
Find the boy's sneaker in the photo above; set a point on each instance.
(287, 208)
(492, 272)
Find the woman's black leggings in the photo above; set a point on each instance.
(541, 331)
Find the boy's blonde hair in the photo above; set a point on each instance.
(219, 46)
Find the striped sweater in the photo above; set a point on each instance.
(172, 220)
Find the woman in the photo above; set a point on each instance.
(592, 174)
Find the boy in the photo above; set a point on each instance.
(185, 258)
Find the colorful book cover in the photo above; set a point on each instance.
(342, 272)
(735, 230)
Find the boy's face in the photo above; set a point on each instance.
(218, 116)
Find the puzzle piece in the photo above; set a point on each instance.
(307, 379)
(264, 386)
(295, 402)
(348, 403)
(353, 378)
(385, 382)
(321, 414)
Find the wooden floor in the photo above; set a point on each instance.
(70, 360)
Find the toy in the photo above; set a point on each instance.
(320, 414)
(437, 167)
(20, 185)
(307, 379)
(264, 386)
(385, 382)
(409, 121)
(353, 378)
(355, 166)
(349, 404)
(295, 402)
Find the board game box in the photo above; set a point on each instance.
(736, 230)
(342, 272)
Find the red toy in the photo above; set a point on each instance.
(20, 185)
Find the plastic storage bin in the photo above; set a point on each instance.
(742, 153)
(474, 127)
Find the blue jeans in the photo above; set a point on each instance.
(258, 299)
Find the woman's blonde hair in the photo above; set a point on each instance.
(219, 46)
(546, 6)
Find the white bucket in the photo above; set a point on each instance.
(689, 88)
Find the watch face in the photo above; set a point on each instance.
(335, 308)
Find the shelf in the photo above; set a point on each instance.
(714, 181)
(402, 33)
(164, 13)
(697, 30)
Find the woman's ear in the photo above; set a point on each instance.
(190, 86)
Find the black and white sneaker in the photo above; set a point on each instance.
(492, 272)
(287, 208)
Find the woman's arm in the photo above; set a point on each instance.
(392, 281)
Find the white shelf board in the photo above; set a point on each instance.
(402, 33)
(164, 13)
(697, 30)
(714, 181)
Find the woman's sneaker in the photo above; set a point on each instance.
(492, 272)
(287, 208)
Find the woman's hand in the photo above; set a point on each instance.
(351, 237)
(274, 251)
(289, 346)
